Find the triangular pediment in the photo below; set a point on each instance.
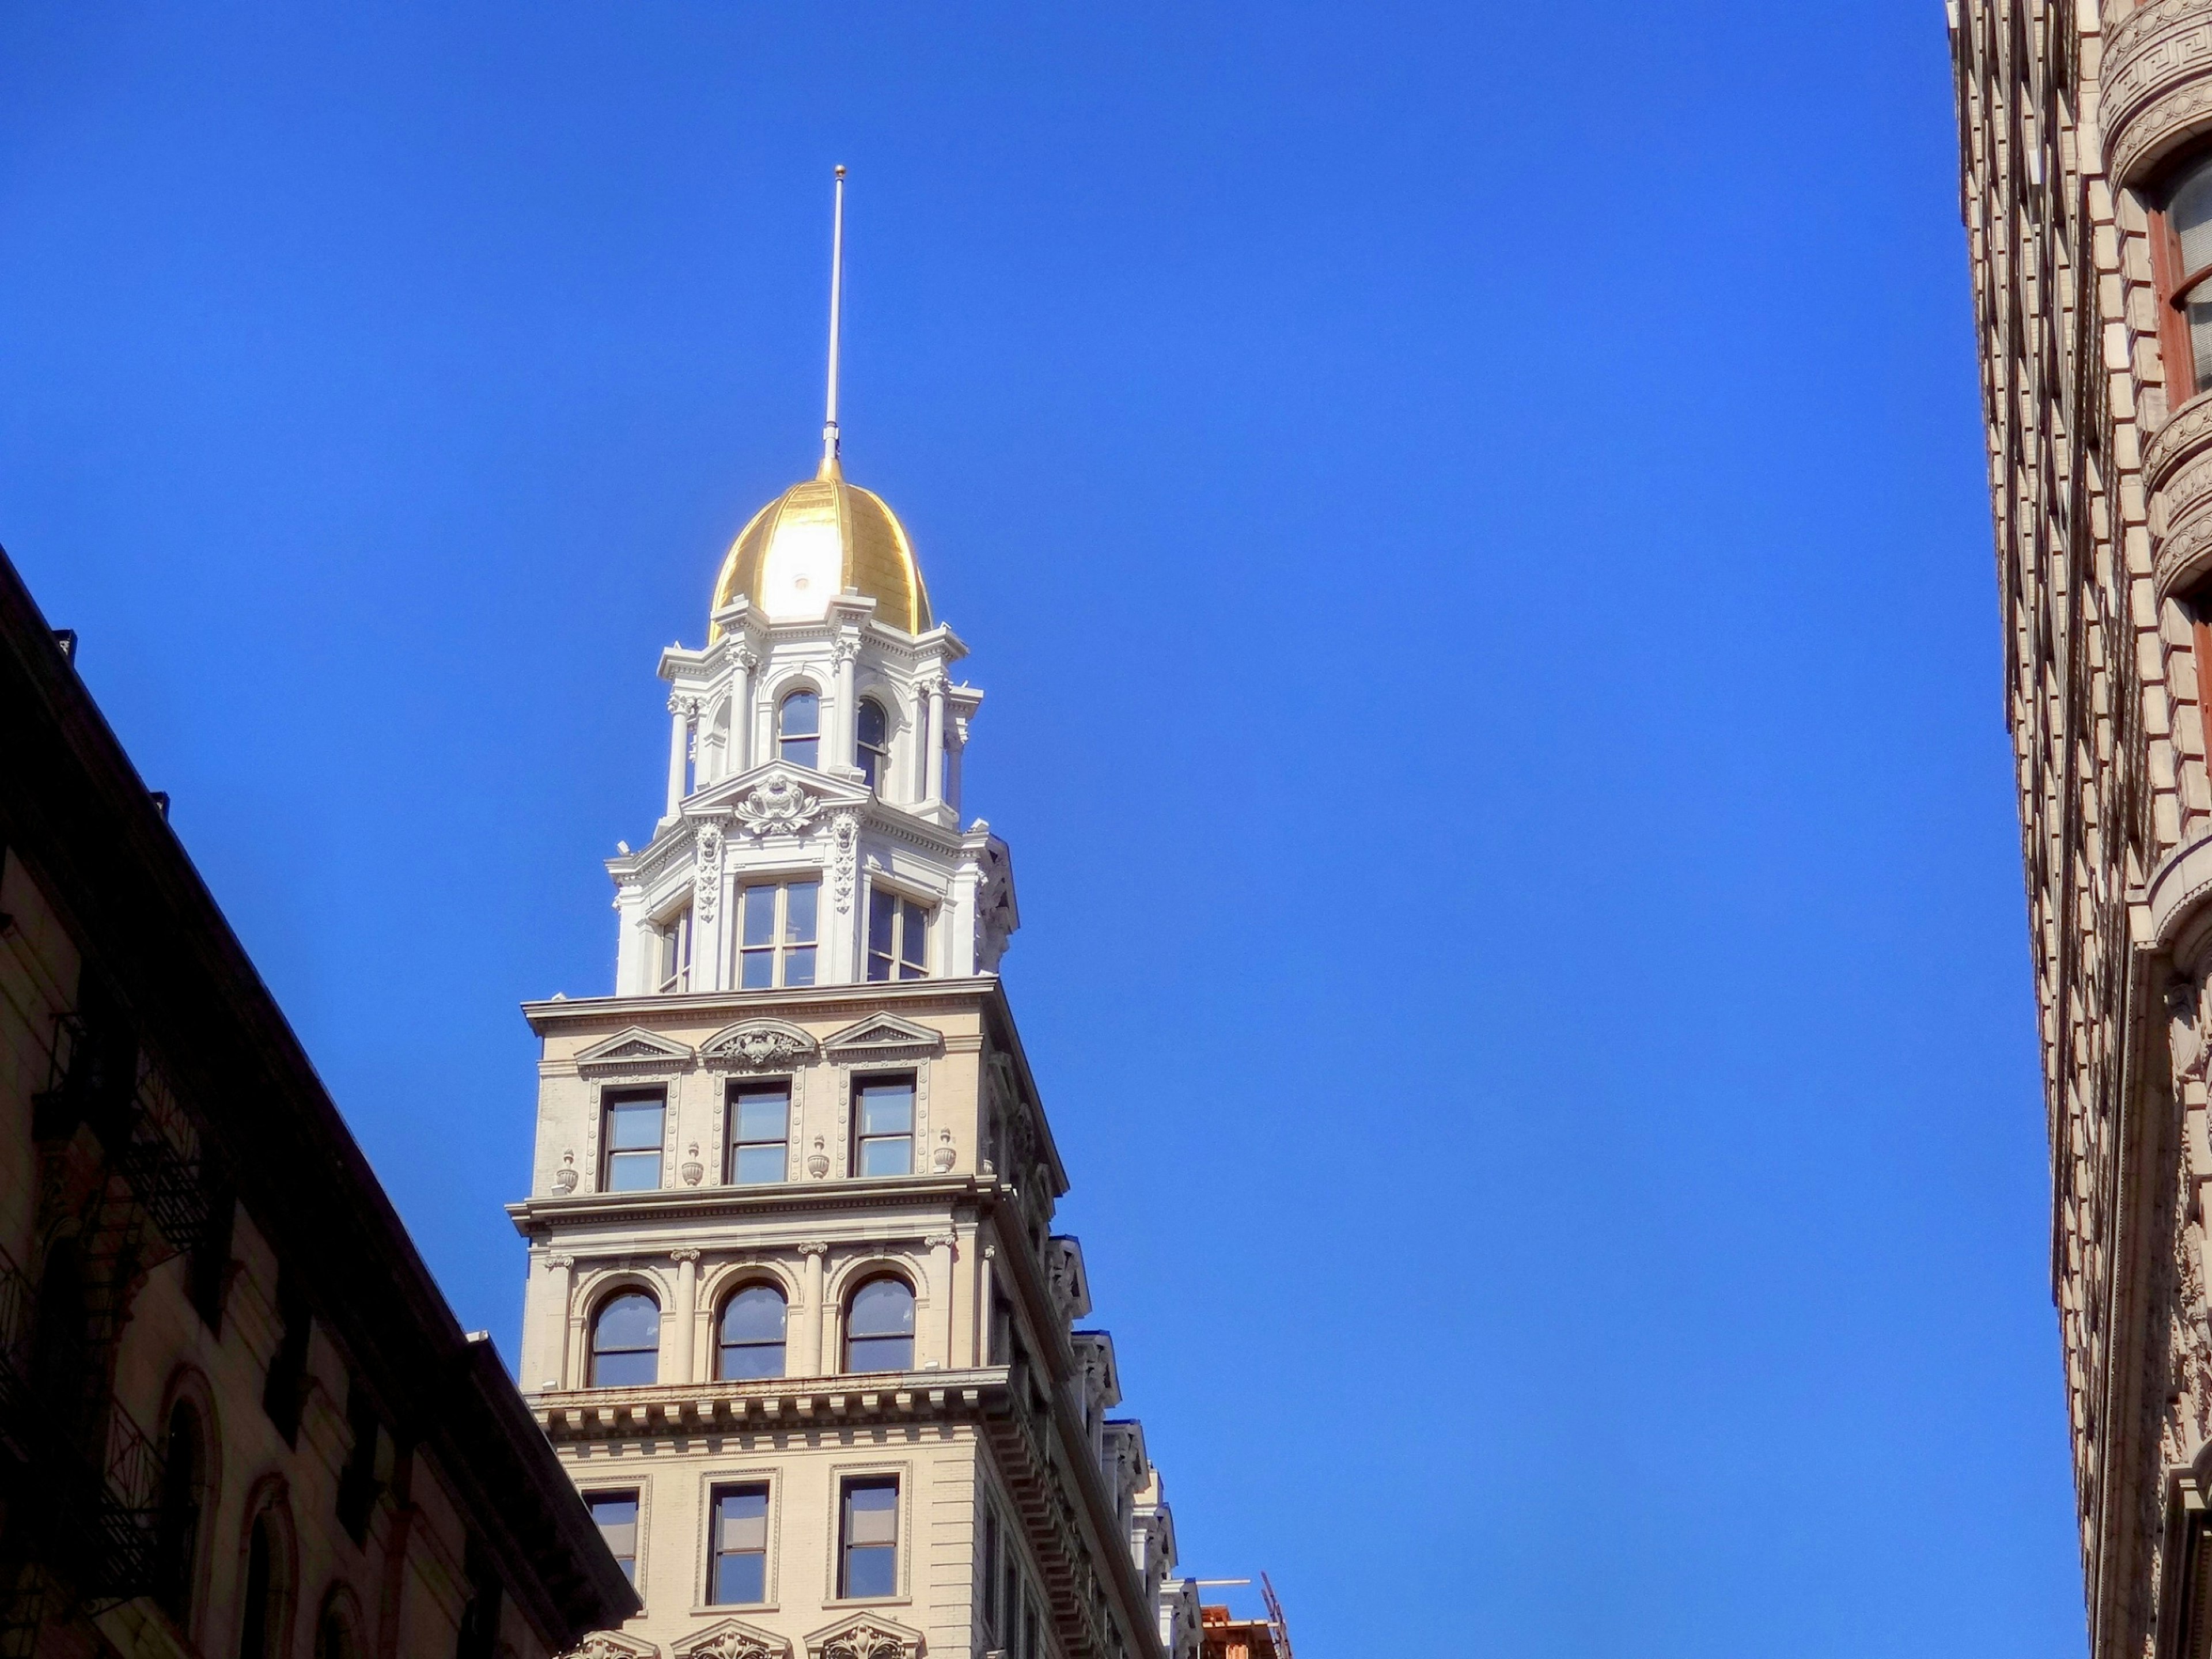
(864, 1636)
(613, 1644)
(635, 1049)
(758, 1042)
(777, 798)
(733, 1639)
(884, 1035)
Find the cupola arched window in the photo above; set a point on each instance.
(749, 1335)
(799, 729)
(879, 1327)
(626, 1342)
(2182, 253)
(874, 743)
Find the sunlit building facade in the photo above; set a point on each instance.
(798, 1320)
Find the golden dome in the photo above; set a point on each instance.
(815, 541)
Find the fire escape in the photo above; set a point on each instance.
(84, 1478)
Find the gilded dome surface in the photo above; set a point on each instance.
(813, 542)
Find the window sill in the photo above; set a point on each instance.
(733, 1609)
(862, 1602)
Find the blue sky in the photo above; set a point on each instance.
(1471, 521)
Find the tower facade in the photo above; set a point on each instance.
(797, 1320)
(2086, 148)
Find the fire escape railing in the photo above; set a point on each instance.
(97, 1494)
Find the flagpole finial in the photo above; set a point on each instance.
(830, 468)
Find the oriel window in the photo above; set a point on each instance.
(634, 1141)
(799, 729)
(776, 941)
(2183, 254)
(873, 742)
(740, 1569)
(760, 1131)
(868, 1538)
(882, 1120)
(898, 937)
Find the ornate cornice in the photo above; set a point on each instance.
(2155, 90)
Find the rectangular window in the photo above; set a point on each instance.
(775, 935)
(1013, 1603)
(739, 1568)
(760, 1129)
(867, 1554)
(634, 1141)
(987, 1570)
(615, 1513)
(883, 1118)
(673, 972)
(898, 937)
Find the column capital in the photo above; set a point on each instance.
(812, 1247)
(687, 1256)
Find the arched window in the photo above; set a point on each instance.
(261, 1615)
(177, 1518)
(799, 729)
(874, 736)
(2182, 255)
(880, 1328)
(750, 1334)
(626, 1342)
(334, 1636)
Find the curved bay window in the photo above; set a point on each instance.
(799, 729)
(873, 742)
(879, 1327)
(626, 1342)
(749, 1336)
(2182, 253)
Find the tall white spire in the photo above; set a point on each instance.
(830, 466)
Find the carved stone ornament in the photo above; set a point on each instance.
(818, 1161)
(613, 1644)
(865, 1636)
(733, 1639)
(944, 1156)
(693, 1171)
(2190, 1033)
(758, 1042)
(777, 807)
(680, 704)
(845, 835)
(707, 882)
(565, 1177)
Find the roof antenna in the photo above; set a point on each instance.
(830, 469)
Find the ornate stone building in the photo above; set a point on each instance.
(796, 1319)
(2086, 141)
(236, 1417)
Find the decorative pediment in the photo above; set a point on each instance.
(614, 1645)
(884, 1036)
(635, 1050)
(775, 799)
(864, 1636)
(733, 1639)
(756, 1043)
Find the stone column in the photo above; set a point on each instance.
(845, 748)
(809, 1355)
(741, 711)
(936, 1353)
(681, 711)
(687, 1302)
(932, 759)
(557, 1323)
(985, 1291)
